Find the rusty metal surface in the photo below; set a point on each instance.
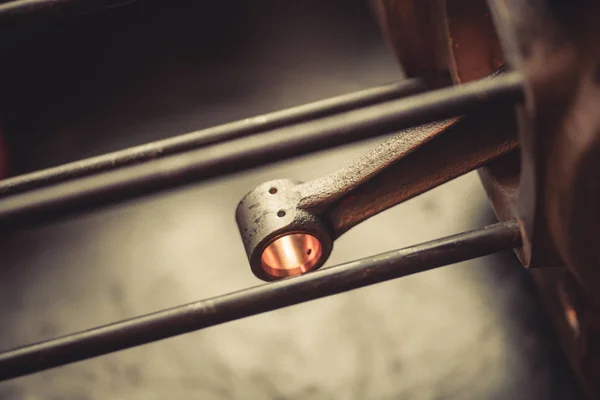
(472, 50)
(441, 37)
(417, 35)
(473, 46)
(464, 147)
(553, 186)
(555, 44)
(518, 29)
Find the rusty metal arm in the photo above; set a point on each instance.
(461, 147)
(288, 227)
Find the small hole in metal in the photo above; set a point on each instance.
(281, 213)
(273, 190)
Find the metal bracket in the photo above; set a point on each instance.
(288, 227)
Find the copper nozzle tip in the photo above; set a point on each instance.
(291, 254)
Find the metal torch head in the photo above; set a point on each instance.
(281, 239)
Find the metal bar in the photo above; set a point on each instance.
(204, 137)
(16, 8)
(472, 142)
(280, 144)
(259, 299)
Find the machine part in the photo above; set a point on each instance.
(259, 299)
(213, 135)
(555, 44)
(281, 239)
(325, 208)
(438, 37)
(557, 197)
(551, 49)
(471, 50)
(561, 147)
(292, 254)
(279, 144)
(434, 38)
(416, 35)
(552, 187)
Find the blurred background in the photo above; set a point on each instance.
(76, 87)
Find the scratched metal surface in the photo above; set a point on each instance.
(474, 330)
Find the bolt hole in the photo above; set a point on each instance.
(308, 251)
(281, 213)
(273, 190)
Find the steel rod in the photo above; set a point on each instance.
(204, 137)
(17, 8)
(279, 144)
(259, 299)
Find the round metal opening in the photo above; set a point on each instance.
(292, 254)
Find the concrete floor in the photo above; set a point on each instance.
(473, 330)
